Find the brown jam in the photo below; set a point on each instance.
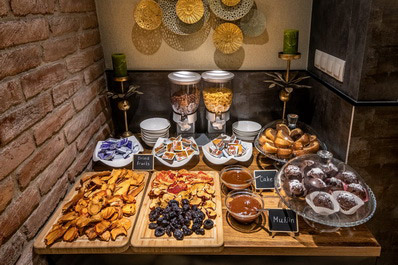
(236, 177)
(244, 205)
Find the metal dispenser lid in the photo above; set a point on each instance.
(184, 78)
(217, 76)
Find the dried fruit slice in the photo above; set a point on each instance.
(105, 236)
(129, 209)
(107, 212)
(90, 233)
(71, 234)
(117, 232)
(102, 226)
(54, 235)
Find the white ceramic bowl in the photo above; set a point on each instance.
(246, 126)
(155, 124)
(174, 163)
(227, 160)
(117, 162)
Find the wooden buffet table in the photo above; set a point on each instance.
(356, 241)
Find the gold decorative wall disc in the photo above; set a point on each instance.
(148, 14)
(190, 11)
(175, 25)
(228, 38)
(230, 2)
(230, 13)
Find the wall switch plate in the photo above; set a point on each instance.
(329, 64)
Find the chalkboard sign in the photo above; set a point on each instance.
(282, 220)
(264, 179)
(143, 162)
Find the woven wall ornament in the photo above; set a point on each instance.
(253, 24)
(231, 13)
(230, 2)
(173, 23)
(190, 11)
(228, 38)
(148, 15)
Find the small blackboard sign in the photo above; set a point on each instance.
(264, 179)
(143, 162)
(282, 220)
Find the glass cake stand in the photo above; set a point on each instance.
(302, 208)
(296, 124)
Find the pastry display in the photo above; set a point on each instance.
(236, 177)
(175, 149)
(182, 203)
(101, 208)
(244, 205)
(325, 190)
(286, 143)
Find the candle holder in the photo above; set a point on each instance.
(284, 94)
(287, 82)
(124, 105)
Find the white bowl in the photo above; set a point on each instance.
(246, 126)
(122, 162)
(174, 163)
(155, 124)
(227, 160)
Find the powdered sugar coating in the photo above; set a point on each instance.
(346, 200)
(323, 200)
(316, 172)
(347, 177)
(293, 172)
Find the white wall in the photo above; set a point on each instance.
(118, 29)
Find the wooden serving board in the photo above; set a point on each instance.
(82, 244)
(144, 239)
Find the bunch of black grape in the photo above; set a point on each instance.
(179, 221)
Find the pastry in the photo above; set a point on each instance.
(294, 188)
(346, 200)
(358, 189)
(293, 172)
(316, 172)
(314, 184)
(330, 169)
(347, 177)
(334, 184)
(323, 200)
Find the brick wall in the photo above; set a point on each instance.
(51, 112)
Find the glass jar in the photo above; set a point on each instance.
(217, 91)
(185, 92)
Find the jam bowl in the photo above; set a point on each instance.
(244, 205)
(236, 177)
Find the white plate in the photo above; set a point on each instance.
(174, 163)
(227, 160)
(155, 124)
(117, 162)
(246, 126)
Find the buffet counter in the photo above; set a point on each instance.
(242, 240)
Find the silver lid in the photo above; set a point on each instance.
(184, 78)
(217, 76)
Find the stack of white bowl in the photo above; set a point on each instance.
(154, 128)
(246, 130)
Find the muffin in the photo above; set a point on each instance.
(334, 184)
(316, 172)
(357, 189)
(347, 177)
(314, 184)
(330, 169)
(294, 188)
(346, 201)
(323, 200)
(293, 172)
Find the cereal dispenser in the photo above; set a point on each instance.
(185, 98)
(217, 96)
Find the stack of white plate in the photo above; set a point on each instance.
(246, 130)
(152, 129)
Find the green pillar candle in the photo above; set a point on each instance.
(119, 64)
(290, 41)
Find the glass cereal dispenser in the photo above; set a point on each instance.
(185, 98)
(217, 96)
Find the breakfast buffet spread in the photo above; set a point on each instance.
(181, 208)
